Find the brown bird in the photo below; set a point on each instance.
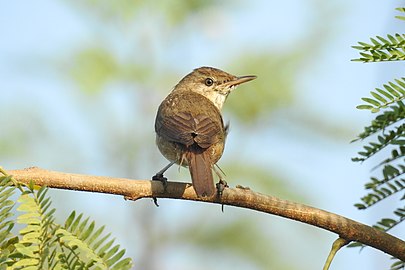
(189, 126)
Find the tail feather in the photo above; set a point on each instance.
(201, 174)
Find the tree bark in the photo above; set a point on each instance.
(347, 229)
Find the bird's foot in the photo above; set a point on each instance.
(221, 185)
(159, 177)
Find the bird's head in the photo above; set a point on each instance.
(212, 83)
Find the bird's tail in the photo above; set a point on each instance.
(199, 164)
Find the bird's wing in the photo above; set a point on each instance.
(185, 126)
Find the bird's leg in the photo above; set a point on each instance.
(159, 175)
(222, 184)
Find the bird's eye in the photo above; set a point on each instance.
(209, 82)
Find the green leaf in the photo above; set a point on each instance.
(88, 231)
(366, 57)
(70, 219)
(76, 223)
(106, 247)
(400, 37)
(371, 101)
(375, 42)
(383, 40)
(360, 206)
(28, 251)
(401, 83)
(83, 238)
(101, 241)
(123, 264)
(398, 265)
(397, 88)
(364, 45)
(364, 107)
(385, 93)
(377, 96)
(110, 253)
(82, 225)
(357, 47)
(398, 142)
(26, 264)
(355, 244)
(95, 235)
(116, 256)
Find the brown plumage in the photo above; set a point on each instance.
(189, 126)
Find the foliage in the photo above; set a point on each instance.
(392, 93)
(386, 133)
(382, 49)
(401, 10)
(43, 244)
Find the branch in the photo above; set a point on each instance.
(347, 229)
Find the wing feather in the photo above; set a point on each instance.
(184, 123)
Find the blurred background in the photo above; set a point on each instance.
(80, 83)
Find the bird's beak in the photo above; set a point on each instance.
(240, 80)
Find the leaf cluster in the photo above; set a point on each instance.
(391, 93)
(385, 134)
(400, 9)
(41, 243)
(391, 48)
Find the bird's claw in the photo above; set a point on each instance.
(159, 177)
(155, 201)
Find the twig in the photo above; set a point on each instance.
(347, 229)
(337, 244)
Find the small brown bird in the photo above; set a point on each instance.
(189, 126)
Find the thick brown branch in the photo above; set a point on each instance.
(136, 189)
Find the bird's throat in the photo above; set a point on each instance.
(217, 98)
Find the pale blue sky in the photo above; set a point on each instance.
(33, 33)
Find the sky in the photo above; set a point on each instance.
(33, 33)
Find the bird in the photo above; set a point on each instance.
(189, 127)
